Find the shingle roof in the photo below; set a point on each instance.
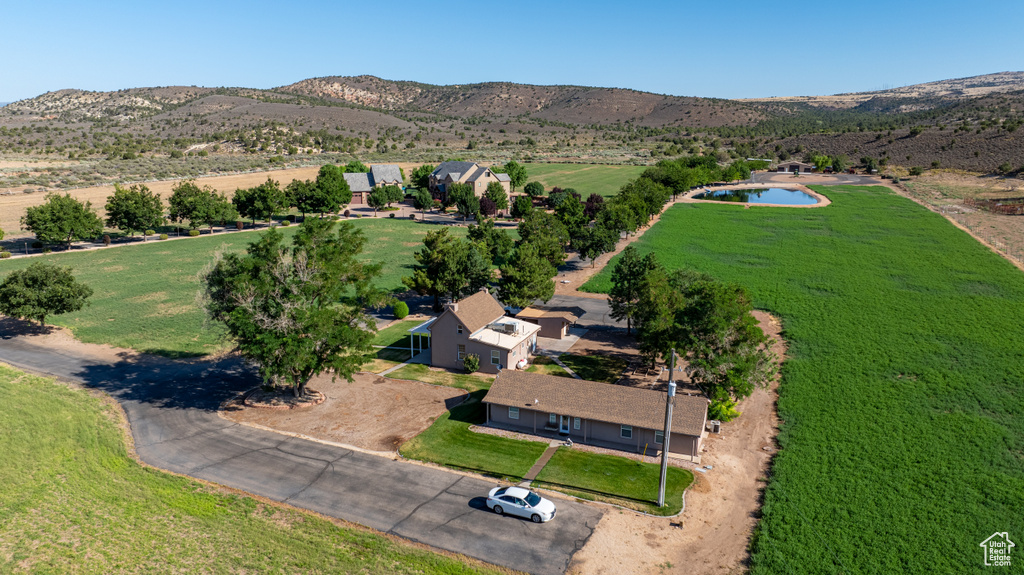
(597, 401)
(478, 310)
(571, 314)
(444, 168)
(385, 173)
(358, 182)
(502, 177)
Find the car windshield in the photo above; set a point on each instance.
(533, 499)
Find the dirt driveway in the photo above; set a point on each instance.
(372, 412)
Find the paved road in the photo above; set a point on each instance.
(172, 409)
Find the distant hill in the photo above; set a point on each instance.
(377, 119)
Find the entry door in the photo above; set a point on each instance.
(563, 426)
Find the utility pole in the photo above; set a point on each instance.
(669, 402)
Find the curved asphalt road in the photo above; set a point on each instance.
(172, 410)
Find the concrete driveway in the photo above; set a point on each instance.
(172, 405)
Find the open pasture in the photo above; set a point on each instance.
(585, 178)
(902, 398)
(145, 294)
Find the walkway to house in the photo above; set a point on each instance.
(544, 458)
(421, 357)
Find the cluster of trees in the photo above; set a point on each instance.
(684, 174)
(707, 322)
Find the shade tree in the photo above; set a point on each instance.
(134, 209)
(62, 219)
(527, 277)
(40, 290)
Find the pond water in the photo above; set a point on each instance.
(760, 196)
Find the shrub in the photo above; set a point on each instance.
(193, 233)
(106, 240)
(400, 309)
(239, 225)
(163, 236)
(177, 154)
(936, 164)
(412, 216)
(391, 215)
(347, 213)
(150, 232)
(203, 153)
(723, 410)
(916, 171)
(471, 362)
(285, 223)
(4, 255)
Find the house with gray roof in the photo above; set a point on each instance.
(380, 175)
(471, 173)
(591, 412)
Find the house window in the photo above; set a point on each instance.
(459, 329)
(575, 423)
(513, 413)
(495, 357)
(462, 352)
(659, 437)
(552, 419)
(626, 432)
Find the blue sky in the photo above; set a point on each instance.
(726, 49)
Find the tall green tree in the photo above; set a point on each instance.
(422, 200)
(40, 290)
(392, 194)
(290, 310)
(192, 204)
(135, 209)
(333, 189)
(547, 234)
(498, 243)
(453, 192)
(534, 189)
(572, 213)
(592, 241)
(62, 219)
(421, 176)
(464, 199)
(377, 199)
(526, 278)
(260, 202)
(301, 195)
(448, 267)
(628, 278)
(522, 206)
(355, 167)
(496, 193)
(516, 173)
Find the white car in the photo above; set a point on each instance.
(521, 502)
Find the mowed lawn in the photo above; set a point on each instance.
(902, 399)
(587, 179)
(145, 294)
(73, 501)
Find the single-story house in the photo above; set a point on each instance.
(794, 168)
(602, 414)
(478, 325)
(380, 175)
(554, 322)
(471, 173)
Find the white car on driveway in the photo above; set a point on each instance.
(520, 502)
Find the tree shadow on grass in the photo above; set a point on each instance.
(11, 328)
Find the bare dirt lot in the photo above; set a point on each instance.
(722, 506)
(371, 412)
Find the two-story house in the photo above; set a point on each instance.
(477, 176)
(478, 325)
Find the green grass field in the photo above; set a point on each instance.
(902, 402)
(450, 442)
(591, 367)
(73, 501)
(420, 372)
(585, 178)
(145, 294)
(616, 480)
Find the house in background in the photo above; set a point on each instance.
(595, 413)
(554, 322)
(794, 168)
(475, 175)
(478, 324)
(380, 175)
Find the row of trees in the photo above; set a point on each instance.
(707, 322)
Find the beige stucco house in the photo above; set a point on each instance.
(602, 414)
(478, 324)
(448, 173)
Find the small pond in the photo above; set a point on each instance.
(760, 196)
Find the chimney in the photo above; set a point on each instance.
(453, 306)
(485, 290)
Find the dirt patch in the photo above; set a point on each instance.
(371, 412)
(722, 506)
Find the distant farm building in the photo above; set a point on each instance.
(794, 168)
